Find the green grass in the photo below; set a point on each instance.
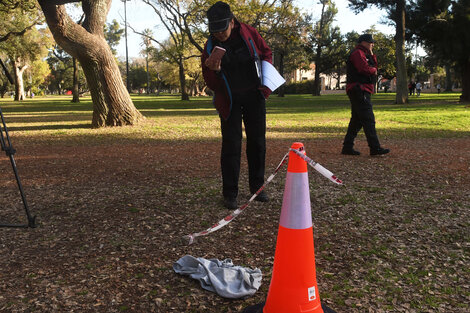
(168, 118)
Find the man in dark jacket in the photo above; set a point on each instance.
(238, 95)
(361, 79)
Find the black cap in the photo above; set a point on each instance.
(219, 16)
(366, 38)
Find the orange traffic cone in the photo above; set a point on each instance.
(293, 286)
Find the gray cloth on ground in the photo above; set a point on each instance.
(221, 277)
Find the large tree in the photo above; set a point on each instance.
(112, 105)
(443, 26)
(173, 14)
(65, 73)
(17, 21)
(35, 77)
(326, 44)
(23, 51)
(286, 36)
(147, 48)
(396, 10)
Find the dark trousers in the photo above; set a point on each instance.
(362, 116)
(251, 108)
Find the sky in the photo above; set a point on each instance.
(141, 16)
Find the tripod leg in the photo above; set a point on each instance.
(7, 147)
(31, 219)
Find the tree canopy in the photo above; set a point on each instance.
(396, 11)
(326, 44)
(443, 27)
(437, 25)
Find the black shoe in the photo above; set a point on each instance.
(350, 151)
(262, 197)
(379, 151)
(230, 203)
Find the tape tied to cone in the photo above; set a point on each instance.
(298, 151)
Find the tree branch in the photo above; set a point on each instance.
(192, 56)
(162, 46)
(188, 33)
(20, 33)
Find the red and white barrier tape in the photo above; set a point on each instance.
(320, 169)
(225, 221)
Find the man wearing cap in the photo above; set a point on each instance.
(238, 95)
(361, 76)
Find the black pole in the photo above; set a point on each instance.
(10, 151)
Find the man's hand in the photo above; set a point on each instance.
(264, 89)
(215, 66)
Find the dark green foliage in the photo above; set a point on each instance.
(302, 87)
(360, 5)
(113, 33)
(326, 45)
(443, 28)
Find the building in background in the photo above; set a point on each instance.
(328, 82)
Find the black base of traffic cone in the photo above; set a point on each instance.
(258, 308)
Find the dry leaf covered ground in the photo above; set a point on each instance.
(111, 216)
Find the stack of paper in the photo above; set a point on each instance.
(271, 77)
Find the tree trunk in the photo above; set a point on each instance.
(148, 74)
(112, 105)
(465, 97)
(19, 85)
(316, 82)
(75, 88)
(7, 73)
(182, 76)
(448, 78)
(402, 86)
(4, 88)
(338, 80)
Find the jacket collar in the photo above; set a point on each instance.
(364, 49)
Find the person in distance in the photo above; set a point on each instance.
(361, 75)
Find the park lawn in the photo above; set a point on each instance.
(294, 116)
(112, 206)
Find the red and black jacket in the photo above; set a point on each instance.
(361, 69)
(218, 82)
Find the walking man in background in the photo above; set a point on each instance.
(238, 96)
(361, 78)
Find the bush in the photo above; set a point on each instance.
(301, 87)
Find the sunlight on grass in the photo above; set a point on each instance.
(294, 116)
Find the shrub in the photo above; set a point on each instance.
(301, 87)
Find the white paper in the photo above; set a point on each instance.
(271, 77)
